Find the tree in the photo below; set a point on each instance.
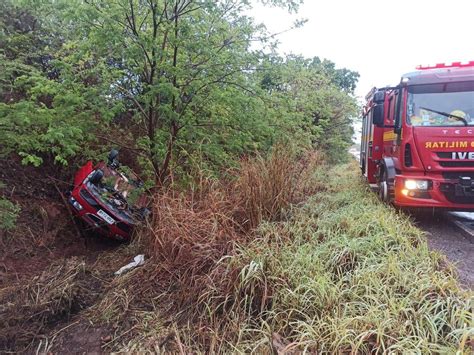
(313, 100)
(343, 78)
(175, 81)
(168, 58)
(43, 113)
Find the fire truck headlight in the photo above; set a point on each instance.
(416, 184)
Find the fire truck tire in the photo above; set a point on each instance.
(386, 180)
(383, 187)
(386, 191)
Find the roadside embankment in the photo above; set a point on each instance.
(286, 254)
(339, 272)
(348, 274)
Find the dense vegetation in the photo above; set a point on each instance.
(182, 85)
(255, 241)
(179, 83)
(251, 264)
(338, 273)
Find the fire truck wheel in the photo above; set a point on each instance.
(383, 187)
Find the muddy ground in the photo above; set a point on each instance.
(46, 239)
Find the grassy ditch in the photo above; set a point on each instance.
(348, 274)
(339, 272)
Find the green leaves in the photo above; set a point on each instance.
(42, 112)
(312, 103)
(51, 118)
(8, 212)
(176, 81)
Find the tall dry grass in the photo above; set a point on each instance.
(266, 186)
(28, 309)
(192, 231)
(341, 273)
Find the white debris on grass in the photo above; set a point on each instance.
(137, 261)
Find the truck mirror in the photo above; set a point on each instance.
(377, 116)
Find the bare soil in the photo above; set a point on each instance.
(80, 338)
(45, 236)
(448, 239)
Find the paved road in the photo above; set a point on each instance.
(452, 233)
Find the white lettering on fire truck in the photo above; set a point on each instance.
(462, 155)
(457, 131)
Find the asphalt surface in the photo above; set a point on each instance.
(452, 233)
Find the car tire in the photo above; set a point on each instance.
(96, 177)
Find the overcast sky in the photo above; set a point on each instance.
(379, 39)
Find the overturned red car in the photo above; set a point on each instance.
(108, 199)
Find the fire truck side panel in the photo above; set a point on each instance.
(371, 147)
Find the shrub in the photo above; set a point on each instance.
(8, 213)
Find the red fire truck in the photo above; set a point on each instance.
(418, 138)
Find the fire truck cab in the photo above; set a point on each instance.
(418, 138)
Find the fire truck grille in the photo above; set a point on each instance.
(444, 155)
(457, 164)
(408, 157)
(464, 200)
(455, 175)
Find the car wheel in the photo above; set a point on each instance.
(96, 177)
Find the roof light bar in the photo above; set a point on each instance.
(443, 65)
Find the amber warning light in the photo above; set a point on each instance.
(443, 65)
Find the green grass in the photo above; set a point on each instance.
(347, 274)
(340, 273)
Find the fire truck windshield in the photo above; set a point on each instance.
(443, 104)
